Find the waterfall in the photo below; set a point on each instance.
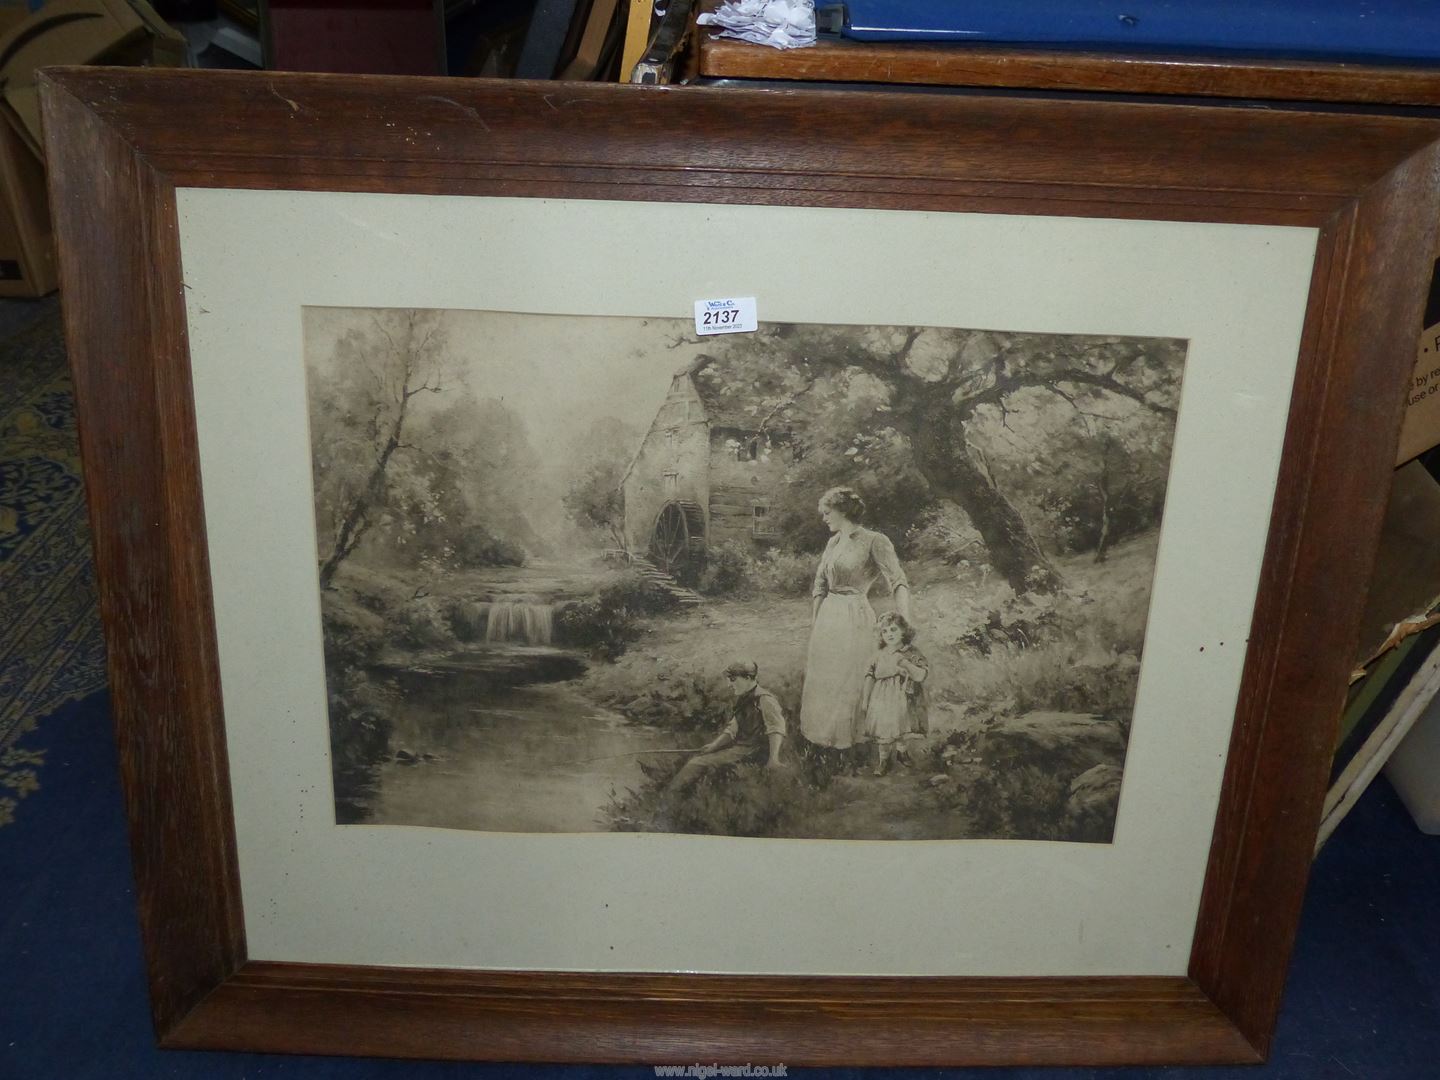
(518, 620)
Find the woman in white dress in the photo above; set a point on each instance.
(842, 634)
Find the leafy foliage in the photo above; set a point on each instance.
(476, 546)
(462, 502)
(407, 465)
(360, 730)
(742, 800)
(1064, 435)
(353, 635)
(1027, 803)
(421, 624)
(736, 569)
(727, 569)
(592, 496)
(606, 623)
(1089, 474)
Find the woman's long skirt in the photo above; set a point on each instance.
(842, 643)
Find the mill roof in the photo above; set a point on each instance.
(730, 401)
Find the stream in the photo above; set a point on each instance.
(496, 738)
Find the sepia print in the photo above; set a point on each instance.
(589, 574)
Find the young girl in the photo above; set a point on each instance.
(893, 702)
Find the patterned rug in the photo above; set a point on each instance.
(50, 647)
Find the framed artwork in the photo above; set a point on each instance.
(941, 668)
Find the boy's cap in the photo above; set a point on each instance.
(742, 667)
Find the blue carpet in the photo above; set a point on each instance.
(1362, 1002)
(50, 647)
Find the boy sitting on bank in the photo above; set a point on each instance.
(755, 733)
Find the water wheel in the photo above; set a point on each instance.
(677, 545)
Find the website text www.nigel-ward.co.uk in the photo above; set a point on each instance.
(708, 1072)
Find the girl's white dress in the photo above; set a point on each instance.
(886, 719)
(896, 700)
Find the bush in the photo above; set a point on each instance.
(1105, 687)
(587, 624)
(734, 569)
(783, 573)
(1025, 621)
(476, 547)
(944, 533)
(632, 593)
(360, 711)
(372, 601)
(690, 703)
(421, 624)
(742, 800)
(1077, 650)
(1075, 513)
(466, 620)
(353, 638)
(727, 569)
(605, 624)
(1019, 804)
(360, 729)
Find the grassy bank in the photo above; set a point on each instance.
(992, 656)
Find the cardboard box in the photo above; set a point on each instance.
(1421, 429)
(62, 32)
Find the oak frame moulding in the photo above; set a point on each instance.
(121, 143)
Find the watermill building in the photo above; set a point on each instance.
(706, 471)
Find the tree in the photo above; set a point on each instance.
(478, 467)
(1088, 474)
(937, 383)
(592, 497)
(359, 413)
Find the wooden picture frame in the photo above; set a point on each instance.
(120, 143)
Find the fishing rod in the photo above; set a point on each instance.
(633, 753)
